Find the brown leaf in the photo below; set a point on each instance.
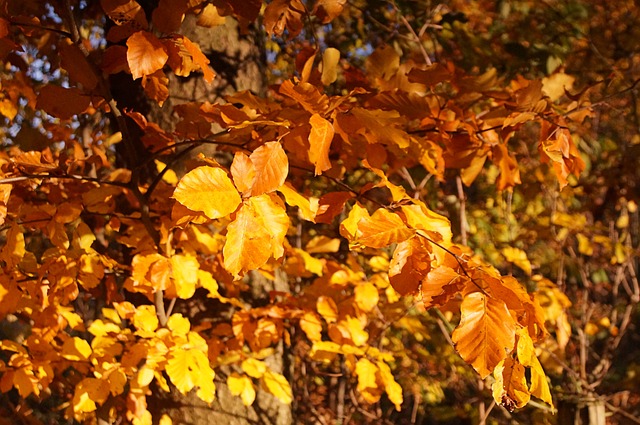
(168, 15)
(61, 102)
(284, 14)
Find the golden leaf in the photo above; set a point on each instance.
(320, 139)
(327, 308)
(391, 387)
(366, 372)
(330, 60)
(208, 189)
(145, 319)
(241, 385)
(382, 229)
(312, 326)
(510, 387)
(89, 393)
(76, 349)
(243, 172)
(190, 368)
(366, 296)
(184, 271)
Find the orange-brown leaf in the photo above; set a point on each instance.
(243, 172)
(168, 15)
(410, 263)
(284, 14)
(486, 333)
(145, 54)
(61, 102)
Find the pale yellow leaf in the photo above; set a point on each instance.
(241, 385)
(278, 385)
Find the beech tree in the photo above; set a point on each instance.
(433, 204)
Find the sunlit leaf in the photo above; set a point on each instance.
(208, 189)
(278, 385)
(320, 140)
(145, 54)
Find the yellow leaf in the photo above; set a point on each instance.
(207, 281)
(145, 318)
(311, 325)
(355, 327)
(391, 387)
(270, 212)
(88, 393)
(170, 177)
(435, 226)
(277, 385)
(190, 368)
(349, 226)
(76, 349)
(307, 208)
(320, 139)
(584, 245)
(178, 324)
(254, 368)
(208, 189)
(145, 54)
(271, 168)
(184, 270)
(366, 296)
(517, 257)
(165, 420)
(486, 332)
(527, 356)
(330, 59)
(327, 308)
(241, 385)
(366, 372)
(322, 244)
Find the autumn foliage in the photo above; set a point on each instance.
(130, 265)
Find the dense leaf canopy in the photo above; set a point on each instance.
(441, 196)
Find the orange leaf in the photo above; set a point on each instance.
(486, 333)
(243, 172)
(320, 139)
(271, 168)
(145, 54)
(410, 263)
(440, 285)
(250, 240)
(156, 86)
(208, 189)
(510, 387)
